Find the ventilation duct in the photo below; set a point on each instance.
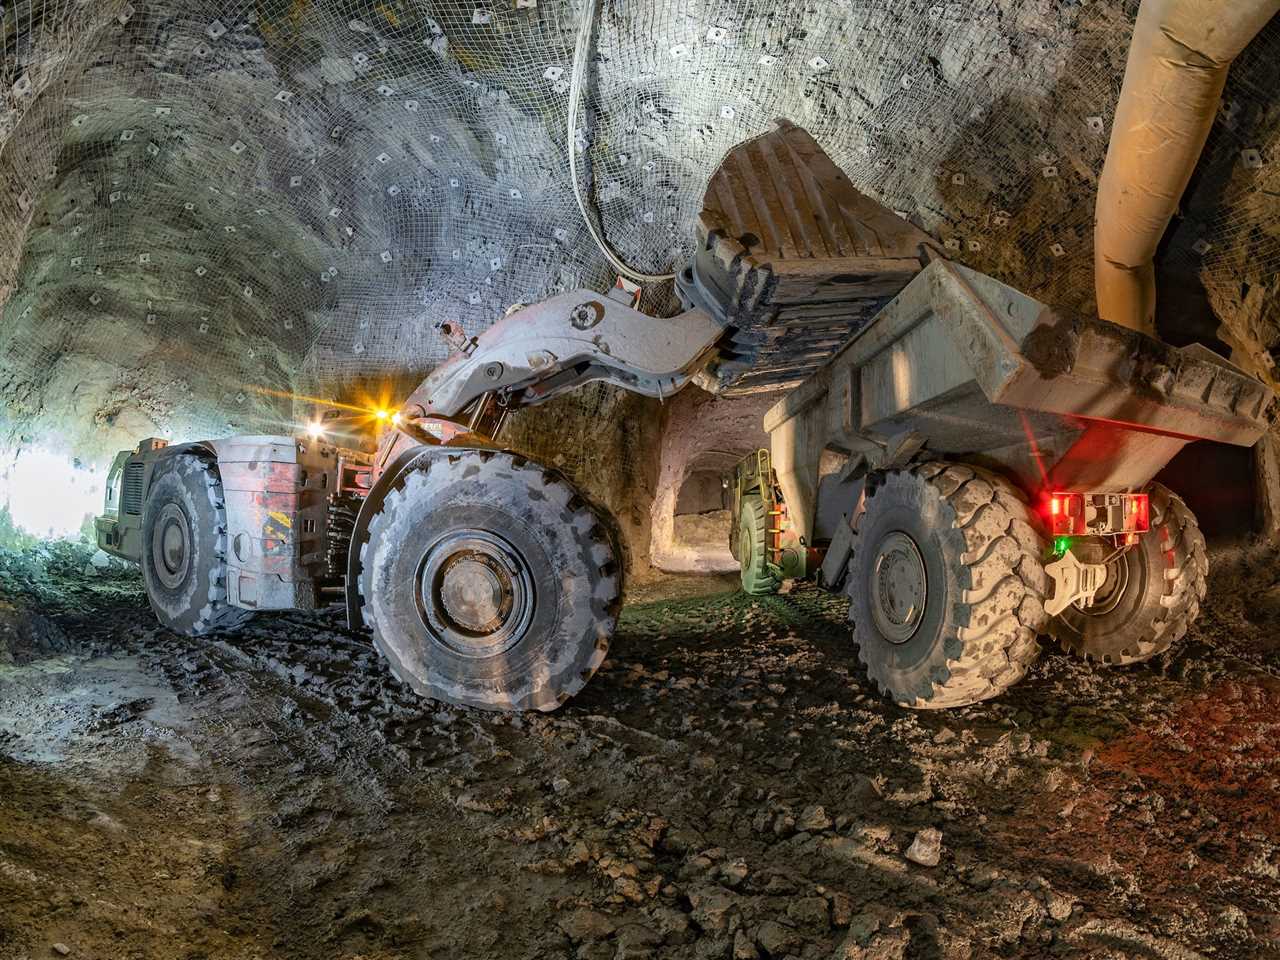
(1177, 67)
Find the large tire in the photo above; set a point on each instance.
(947, 585)
(489, 582)
(1151, 595)
(184, 548)
(753, 547)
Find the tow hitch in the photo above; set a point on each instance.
(1073, 582)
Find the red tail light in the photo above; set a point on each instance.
(1066, 514)
(1098, 514)
(1143, 510)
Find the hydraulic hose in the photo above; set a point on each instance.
(575, 96)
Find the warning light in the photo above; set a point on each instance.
(1066, 515)
(382, 414)
(1098, 514)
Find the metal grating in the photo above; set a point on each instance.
(217, 202)
(131, 489)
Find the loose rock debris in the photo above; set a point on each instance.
(728, 786)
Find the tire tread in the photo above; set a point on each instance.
(1002, 617)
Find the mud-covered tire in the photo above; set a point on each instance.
(1165, 578)
(488, 581)
(184, 548)
(752, 551)
(977, 551)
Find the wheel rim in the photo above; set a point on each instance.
(171, 546)
(475, 594)
(745, 545)
(899, 587)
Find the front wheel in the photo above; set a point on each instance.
(946, 585)
(489, 582)
(1151, 594)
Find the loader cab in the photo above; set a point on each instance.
(115, 476)
(118, 529)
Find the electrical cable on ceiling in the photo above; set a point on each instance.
(575, 95)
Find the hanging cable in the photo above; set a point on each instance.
(575, 95)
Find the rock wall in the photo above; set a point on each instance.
(607, 441)
(703, 433)
(215, 206)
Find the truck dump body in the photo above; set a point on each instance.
(968, 366)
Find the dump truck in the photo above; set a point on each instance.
(489, 580)
(975, 469)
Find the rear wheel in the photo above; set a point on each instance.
(184, 544)
(947, 585)
(489, 582)
(1152, 592)
(753, 547)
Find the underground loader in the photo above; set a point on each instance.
(931, 410)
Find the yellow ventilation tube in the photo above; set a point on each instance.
(1178, 62)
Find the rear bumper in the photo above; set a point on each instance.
(113, 539)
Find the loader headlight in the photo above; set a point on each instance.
(315, 430)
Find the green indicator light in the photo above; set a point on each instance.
(1061, 545)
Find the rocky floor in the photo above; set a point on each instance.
(727, 786)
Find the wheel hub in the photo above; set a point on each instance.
(899, 587)
(475, 593)
(171, 546)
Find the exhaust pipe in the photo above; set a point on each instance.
(1177, 67)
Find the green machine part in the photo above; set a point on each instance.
(754, 476)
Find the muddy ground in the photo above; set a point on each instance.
(728, 786)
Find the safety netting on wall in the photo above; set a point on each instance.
(212, 207)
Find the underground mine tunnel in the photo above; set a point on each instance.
(596, 479)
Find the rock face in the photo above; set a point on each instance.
(210, 208)
(702, 435)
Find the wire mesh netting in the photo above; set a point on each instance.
(215, 205)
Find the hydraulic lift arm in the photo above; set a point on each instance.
(544, 349)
